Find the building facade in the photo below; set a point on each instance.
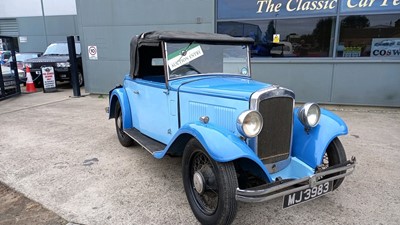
(37, 23)
(327, 51)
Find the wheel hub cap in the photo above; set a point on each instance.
(198, 182)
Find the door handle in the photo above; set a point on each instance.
(136, 92)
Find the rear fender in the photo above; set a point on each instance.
(310, 146)
(221, 144)
(118, 94)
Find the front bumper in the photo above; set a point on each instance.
(61, 74)
(279, 189)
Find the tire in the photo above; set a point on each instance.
(81, 80)
(123, 138)
(334, 155)
(212, 198)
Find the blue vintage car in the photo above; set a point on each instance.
(191, 95)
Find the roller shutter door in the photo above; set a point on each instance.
(9, 27)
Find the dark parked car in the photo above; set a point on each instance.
(9, 82)
(56, 55)
(191, 95)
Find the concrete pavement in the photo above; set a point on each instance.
(63, 153)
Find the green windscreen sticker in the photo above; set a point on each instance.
(184, 56)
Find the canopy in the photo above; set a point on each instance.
(154, 38)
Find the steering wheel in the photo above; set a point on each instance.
(185, 70)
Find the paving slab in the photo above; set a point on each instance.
(63, 153)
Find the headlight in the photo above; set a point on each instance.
(249, 123)
(63, 64)
(309, 115)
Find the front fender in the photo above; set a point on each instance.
(310, 147)
(118, 94)
(221, 144)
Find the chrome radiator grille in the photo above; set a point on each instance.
(273, 144)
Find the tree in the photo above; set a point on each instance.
(269, 33)
(355, 22)
(397, 23)
(322, 33)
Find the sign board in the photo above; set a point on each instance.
(184, 56)
(273, 9)
(49, 79)
(385, 48)
(92, 51)
(23, 39)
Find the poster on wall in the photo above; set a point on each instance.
(385, 47)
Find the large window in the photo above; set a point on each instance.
(305, 37)
(308, 28)
(375, 36)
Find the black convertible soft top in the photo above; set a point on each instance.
(154, 38)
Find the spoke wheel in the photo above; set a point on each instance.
(124, 139)
(334, 155)
(210, 186)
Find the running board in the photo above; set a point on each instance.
(147, 143)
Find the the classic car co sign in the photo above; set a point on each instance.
(49, 80)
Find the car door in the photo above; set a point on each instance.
(149, 101)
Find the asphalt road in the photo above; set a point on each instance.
(63, 153)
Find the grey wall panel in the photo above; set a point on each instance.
(31, 26)
(33, 44)
(367, 83)
(61, 25)
(141, 12)
(38, 38)
(310, 82)
(56, 38)
(104, 75)
(92, 13)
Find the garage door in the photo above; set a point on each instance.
(9, 27)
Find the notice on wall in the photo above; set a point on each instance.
(92, 52)
(49, 79)
(23, 39)
(276, 38)
(385, 48)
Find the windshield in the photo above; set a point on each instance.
(188, 59)
(23, 57)
(61, 49)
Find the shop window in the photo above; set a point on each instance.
(375, 36)
(301, 37)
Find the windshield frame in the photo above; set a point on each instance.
(189, 43)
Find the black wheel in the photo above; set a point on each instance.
(81, 81)
(123, 138)
(210, 186)
(334, 155)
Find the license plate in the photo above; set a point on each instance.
(9, 83)
(307, 194)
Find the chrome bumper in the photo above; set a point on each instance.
(289, 187)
